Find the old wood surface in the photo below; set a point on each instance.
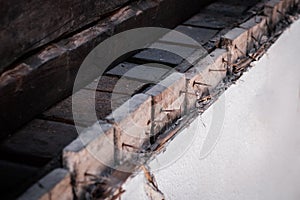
(48, 76)
(26, 25)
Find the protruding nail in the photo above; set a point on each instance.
(217, 70)
(174, 110)
(130, 146)
(199, 83)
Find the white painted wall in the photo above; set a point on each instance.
(257, 156)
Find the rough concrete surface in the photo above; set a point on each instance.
(256, 155)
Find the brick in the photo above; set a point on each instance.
(201, 73)
(169, 54)
(55, 185)
(167, 100)
(92, 152)
(236, 43)
(212, 20)
(199, 35)
(256, 27)
(121, 85)
(274, 11)
(82, 109)
(232, 10)
(14, 175)
(150, 73)
(38, 142)
(132, 122)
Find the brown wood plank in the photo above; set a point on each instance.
(114, 84)
(104, 104)
(38, 142)
(26, 25)
(47, 77)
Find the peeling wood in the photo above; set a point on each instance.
(151, 187)
(25, 26)
(52, 70)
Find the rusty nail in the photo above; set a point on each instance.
(130, 146)
(199, 83)
(217, 70)
(162, 110)
(254, 38)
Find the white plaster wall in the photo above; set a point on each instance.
(257, 156)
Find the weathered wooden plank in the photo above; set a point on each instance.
(104, 104)
(200, 35)
(26, 25)
(149, 73)
(38, 142)
(48, 76)
(13, 176)
(113, 84)
(222, 14)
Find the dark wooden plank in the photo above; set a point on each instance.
(38, 142)
(200, 35)
(26, 25)
(232, 10)
(222, 14)
(105, 84)
(212, 20)
(48, 76)
(113, 84)
(104, 104)
(157, 55)
(148, 73)
(13, 176)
